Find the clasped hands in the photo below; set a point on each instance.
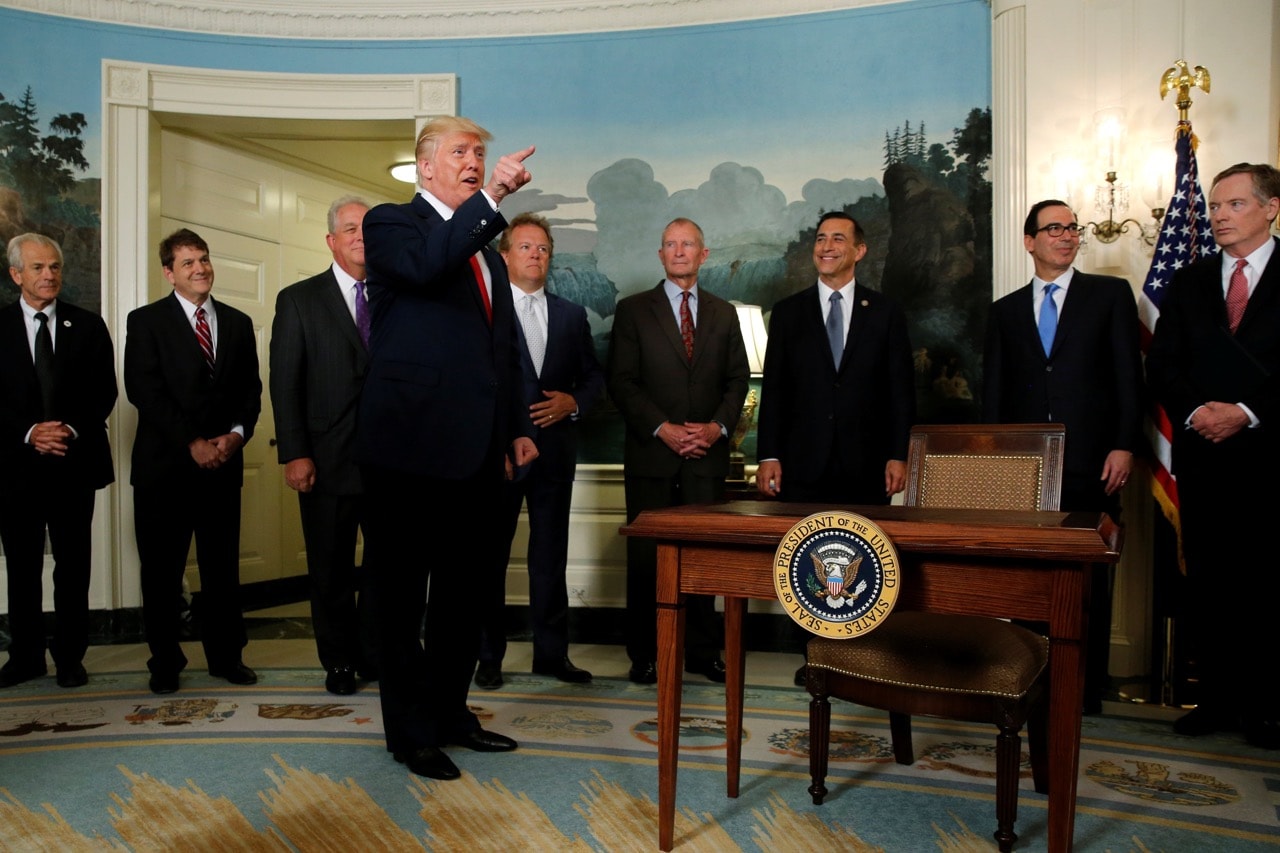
(558, 406)
(689, 440)
(51, 438)
(1217, 421)
(211, 453)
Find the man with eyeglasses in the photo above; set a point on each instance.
(1064, 349)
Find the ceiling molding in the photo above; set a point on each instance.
(408, 19)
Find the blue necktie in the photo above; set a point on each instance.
(1048, 324)
(835, 329)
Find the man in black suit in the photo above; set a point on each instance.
(440, 416)
(319, 356)
(1073, 360)
(838, 395)
(562, 379)
(57, 388)
(1214, 365)
(191, 369)
(678, 374)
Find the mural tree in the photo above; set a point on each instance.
(39, 191)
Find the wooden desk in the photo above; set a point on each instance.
(1022, 565)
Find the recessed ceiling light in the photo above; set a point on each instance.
(406, 172)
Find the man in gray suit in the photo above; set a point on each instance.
(678, 374)
(319, 357)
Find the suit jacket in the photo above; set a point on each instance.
(167, 379)
(569, 364)
(814, 413)
(443, 384)
(318, 365)
(1194, 359)
(84, 394)
(651, 380)
(1091, 381)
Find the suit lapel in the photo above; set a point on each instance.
(661, 308)
(1024, 322)
(1264, 292)
(859, 315)
(336, 304)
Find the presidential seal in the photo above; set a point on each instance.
(836, 573)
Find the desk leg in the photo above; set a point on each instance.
(1066, 698)
(670, 682)
(735, 660)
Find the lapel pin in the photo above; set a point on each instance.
(66, 324)
(865, 303)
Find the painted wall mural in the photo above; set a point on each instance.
(752, 129)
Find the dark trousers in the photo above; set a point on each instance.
(1083, 492)
(342, 612)
(704, 629)
(548, 500)
(205, 505)
(426, 543)
(67, 513)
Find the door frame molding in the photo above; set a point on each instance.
(132, 94)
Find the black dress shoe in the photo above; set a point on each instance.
(163, 682)
(1200, 720)
(12, 673)
(72, 675)
(1262, 733)
(237, 673)
(483, 741)
(564, 670)
(430, 762)
(644, 672)
(712, 669)
(341, 681)
(802, 675)
(367, 673)
(488, 675)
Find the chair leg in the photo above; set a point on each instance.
(1038, 742)
(900, 730)
(819, 745)
(1008, 755)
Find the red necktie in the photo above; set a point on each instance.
(205, 338)
(1237, 295)
(484, 291)
(686, 326)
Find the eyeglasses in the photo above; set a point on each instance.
(1055, 229)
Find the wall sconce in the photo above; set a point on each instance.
(1113, 200)
(1112, 196)
(406, 172)
(751, 321)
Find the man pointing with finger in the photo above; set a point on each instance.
(440, 416)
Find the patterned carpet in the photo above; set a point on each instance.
(282, 766)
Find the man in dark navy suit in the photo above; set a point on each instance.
(562, 379)
(57, 387)
(838, 396)
(319, 357)
(191, 369)
(1214, 365)
(1084, 371)
(441, 416)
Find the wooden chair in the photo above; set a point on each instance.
(971, 668)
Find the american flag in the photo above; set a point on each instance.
(1185, 236)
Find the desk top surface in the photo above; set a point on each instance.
(1043, 535)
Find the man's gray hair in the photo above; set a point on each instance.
(340, 203)
(16, 244)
